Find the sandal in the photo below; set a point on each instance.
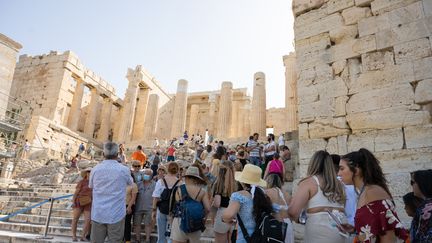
(74, 239)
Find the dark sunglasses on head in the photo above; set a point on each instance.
(412, 182)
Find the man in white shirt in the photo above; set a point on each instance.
(109, 180)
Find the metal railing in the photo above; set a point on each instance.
(48, 218)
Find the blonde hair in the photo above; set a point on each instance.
(321, 164)
(225, 184)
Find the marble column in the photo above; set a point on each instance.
(105, 120)
(246, 110)
(128, 112)
(193, 119)
(151, 117)
(140, 113)
(258, 115)
(180, 108)
(212, 114)
(225, 103)
(291, 92)
(235, 119)
(90, 121)
(75, 110)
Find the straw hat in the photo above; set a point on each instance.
(193, 172)
(251, 175)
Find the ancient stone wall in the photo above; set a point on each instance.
(365, 80)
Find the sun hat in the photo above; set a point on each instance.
(251, 175)
(193, 171)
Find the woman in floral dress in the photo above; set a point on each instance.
(421, 226)
(375, 218)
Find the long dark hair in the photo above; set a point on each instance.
(261, 202)
(370, 167)
(423, 178)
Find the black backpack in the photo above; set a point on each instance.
(164, 202)
(268, 229)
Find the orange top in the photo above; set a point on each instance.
(140, 156)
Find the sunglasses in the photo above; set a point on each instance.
(137, 166)
(412, 182)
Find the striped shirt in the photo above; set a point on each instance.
(254, 152)
(109, 180)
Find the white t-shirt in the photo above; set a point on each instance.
(267, 146)
(281, 140)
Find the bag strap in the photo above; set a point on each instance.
(281, 195)
(166, 184)
(172, 192)
(198, 194)
(243, 229)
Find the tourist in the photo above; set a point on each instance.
(140, 156)
(136, 171)
(161, 172)
(26, 149)
(91, 151)
(206, 155)
(222, 189)
(108, 209)
(156, 143)
(412, 203)
(281, 141)
(161, 200)
(74, 164)
(254, 149)
(375, 219)
(275, 166)
(81, 148)
(185, 135)
(217, 157)
(269, 150)
(181, 140)
(280, 201)
(171, 153)
(82, 203)
(421, 226)
(143, 206)
(190, 190)
(210, 177)
(67, 153)
(155, 163)
(122, 156)
(131, 193)
(241, 158)
(319, 192)
(210, 139)
(249, 203)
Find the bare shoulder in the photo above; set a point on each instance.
(375, 192)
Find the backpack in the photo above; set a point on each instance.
(164, 202)
(268, 229)
(191, 212)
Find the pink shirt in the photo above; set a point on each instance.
(275, 166)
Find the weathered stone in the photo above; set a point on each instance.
(408, 14)
(303, 131)
(340, 105)
(363, 3)
(326, 128)
(382, 6)
(405, 160)
(422, 68)
(418, 136)
(399, 183)
(354, 14)
(389, 139)
(338, 5)
(332, 146)
(309, 146)
(306, 77)
(258, 115)
(310, 17)
(225, 103)
(301, 6)
(338, 66)
(308, 94)
(334, 88)
(323, 25)
(372, 25)
(412, 50)
(353, 48)
(343, 33)
(342, 142)
(427, 7)
(377, 60)
(423, 92)
(323, 108)
(361, 140)
(324, 73)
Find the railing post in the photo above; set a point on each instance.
(45, 234)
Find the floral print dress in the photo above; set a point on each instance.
(421, 226)
(375, 218)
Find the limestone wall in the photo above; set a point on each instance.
(364, 79)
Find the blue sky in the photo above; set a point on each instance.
(204, 42)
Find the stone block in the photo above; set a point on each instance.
(313, 59)
(398, 183)
(423, 92)
(333, 88)
(303, 131)
(418, 136)
(389, 139)
(338, 5)
(338, 66)
(361, 140)
(353, 48)
(313, 44)
(342, 142)
(332, 146)
(354, 14)
(323, 25)
(340, 105)
(307, 94)
(310, 16)
(410, 13)
(363, 3)
(412, 50)
(393, 117)
(382, 6)
(377, 60)
(322, 108)
(422, 68)
(427, 7)
(306, 77)
(302, 6)
(373, 24)
(343, 33)
(324, 73)
(309, 146)
(405, 160)
(326, 128)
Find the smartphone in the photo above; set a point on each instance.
(338, 223)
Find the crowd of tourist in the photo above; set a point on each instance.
(240, 192)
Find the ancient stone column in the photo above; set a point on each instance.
(75, 110)
(235, 119)
(291, 92)
(105, 120)
(258, 115)
(140, 113)
(225, 103)
(246, 110)
(91, 113)
(212, 114)
(151, 117)
(193, 119)
(128, 111)
(180, 108)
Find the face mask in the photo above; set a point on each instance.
(146, 177)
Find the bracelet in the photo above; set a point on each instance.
(154, 209)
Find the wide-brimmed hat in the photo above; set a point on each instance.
(193, 171)
(251, 175)
(87, 169)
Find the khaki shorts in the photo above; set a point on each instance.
(178, 235)
(142, 215)
(219, 226)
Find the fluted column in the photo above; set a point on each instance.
(291, 92)
(212, 114)
(89, 124)
(225, 103)
(75, 110)
(235, 119)
(140, 113)
(193, 119)
(258, 115)
(105, 120)
(151, 117)
(128, 112)
(180, 108)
